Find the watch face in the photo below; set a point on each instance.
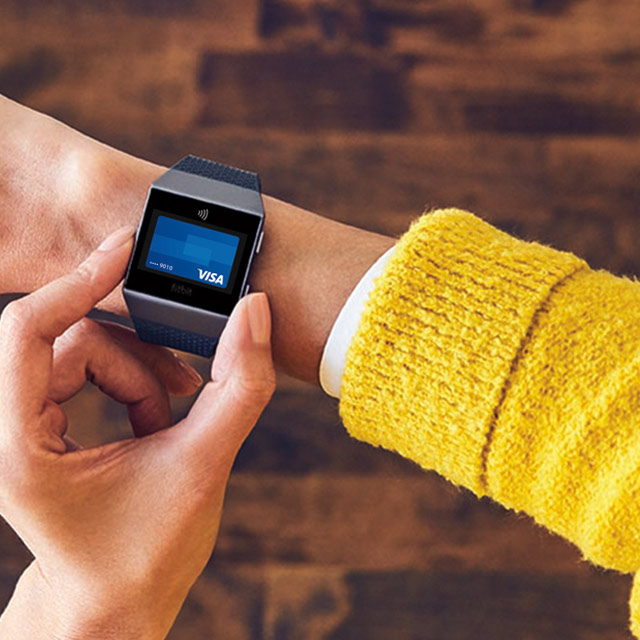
(193, 252)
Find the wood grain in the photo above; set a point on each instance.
(369, 111)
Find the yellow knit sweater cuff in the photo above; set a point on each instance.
(427, 370)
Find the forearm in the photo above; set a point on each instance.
(28, 616)
(24, 617)
(37, 613)
(308, 264)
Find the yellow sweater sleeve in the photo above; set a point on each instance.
(512, 369)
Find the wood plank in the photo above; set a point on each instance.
(381, 521)
(524, 111)
(428, 67)
(301, 433)
(546, 28)
(224, 603)
(577, 194)
(303, 90)
(442, 606)
(285, 601)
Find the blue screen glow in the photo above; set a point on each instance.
(191, 251)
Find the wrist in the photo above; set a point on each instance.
(39, 611)
(61, 193)
(121, 183)
(309, 265)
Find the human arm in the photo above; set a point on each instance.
(119, 532)
(72, 191)
(508, 368)
(511, 369)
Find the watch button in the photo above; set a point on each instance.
(260, 242)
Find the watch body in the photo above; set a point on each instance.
(201, 228)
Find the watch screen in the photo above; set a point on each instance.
(192, 251)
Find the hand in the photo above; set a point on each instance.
(119, 532)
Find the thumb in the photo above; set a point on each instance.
(245, 341)
(242, 382)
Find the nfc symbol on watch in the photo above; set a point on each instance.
(203, 214)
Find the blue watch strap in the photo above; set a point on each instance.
(218, 171)
(169, 336)
(163, 334)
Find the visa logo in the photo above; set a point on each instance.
(209, 276)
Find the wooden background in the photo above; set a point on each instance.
(525, 111)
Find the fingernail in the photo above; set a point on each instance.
(190, 372)
(117, 238)
(259, 318)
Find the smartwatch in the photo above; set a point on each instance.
(201, 229)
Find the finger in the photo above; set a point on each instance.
(87, 351)
(243, 380)
(29, 325)
(179, 378)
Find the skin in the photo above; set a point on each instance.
(61, 179)
(118, 541)
(108, 526)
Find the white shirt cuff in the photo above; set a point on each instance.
(334, 357)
